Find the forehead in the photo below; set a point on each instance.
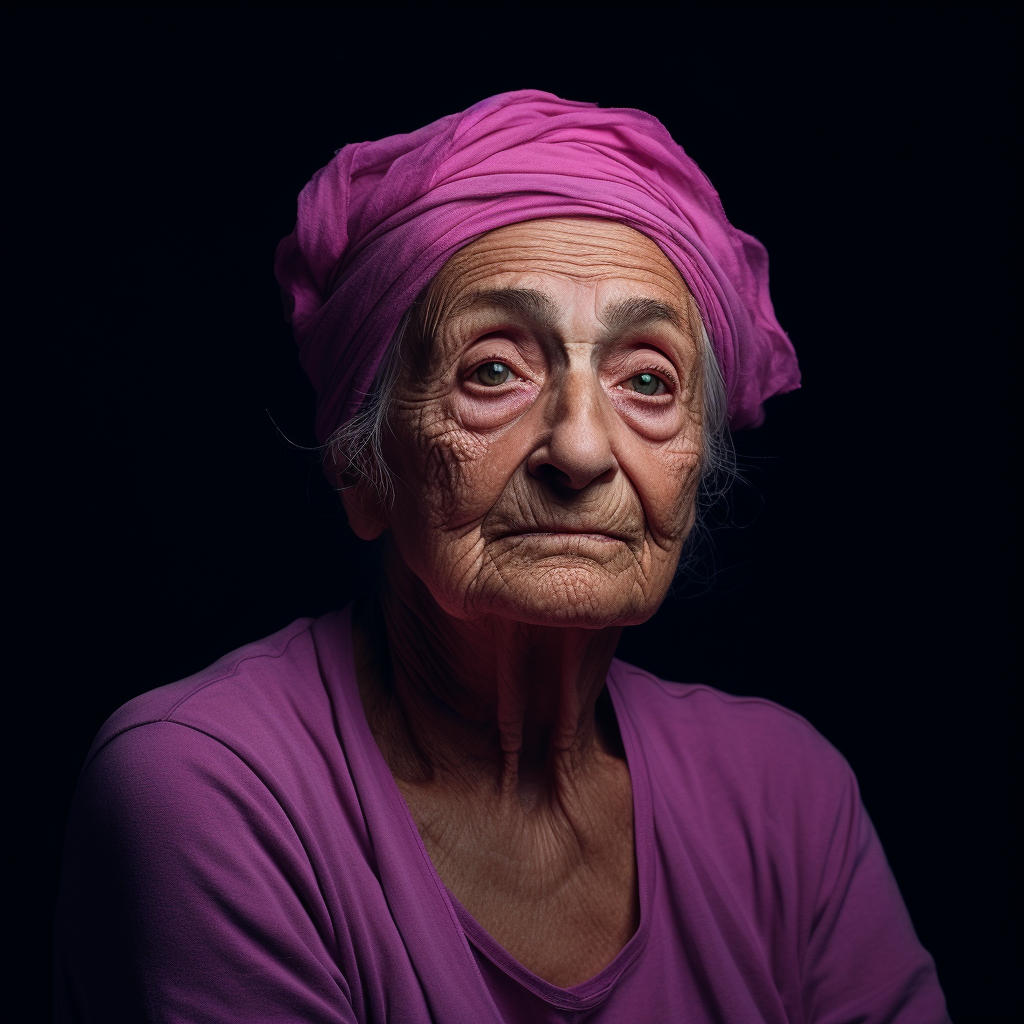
(602, 254)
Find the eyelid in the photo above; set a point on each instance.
(669, 369)
(467, 376)
(512, 359)
(667, 377)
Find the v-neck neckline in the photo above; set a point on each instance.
(588, 994)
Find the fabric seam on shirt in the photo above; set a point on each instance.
(725, 698)
(233, 669)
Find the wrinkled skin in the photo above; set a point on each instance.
(546, 452)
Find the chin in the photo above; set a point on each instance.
(586, 597)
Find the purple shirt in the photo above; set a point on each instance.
(238, 851)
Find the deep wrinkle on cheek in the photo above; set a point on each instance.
(482, 471)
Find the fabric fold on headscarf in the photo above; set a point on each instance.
(380, 220)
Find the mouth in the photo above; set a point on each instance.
(564, 533)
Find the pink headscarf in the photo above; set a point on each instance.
(379, 221)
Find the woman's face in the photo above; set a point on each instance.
(546, 450)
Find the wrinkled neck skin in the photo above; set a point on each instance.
(493, 706)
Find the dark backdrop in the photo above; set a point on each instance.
(164, 521)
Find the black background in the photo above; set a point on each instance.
(162, 521)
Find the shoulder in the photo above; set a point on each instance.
(251, 739)
(759, 822)
(242, 691)
(749, 742)
(211, 824)
(758, 784)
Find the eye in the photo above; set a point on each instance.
(647, 384)
(492, 374)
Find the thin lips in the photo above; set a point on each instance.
(613, 534)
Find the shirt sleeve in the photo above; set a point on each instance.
(186, 894)
(863, 960)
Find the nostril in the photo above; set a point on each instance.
(553, 476)
(562, 482)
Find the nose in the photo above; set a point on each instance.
(576, 451)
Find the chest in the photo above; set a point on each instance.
(555, 885)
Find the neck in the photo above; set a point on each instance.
(488, 702)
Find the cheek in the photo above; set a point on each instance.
(453, 475)
(666, 479)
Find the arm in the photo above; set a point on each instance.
(186, 894)
(863, 961)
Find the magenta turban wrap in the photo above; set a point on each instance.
(379, 221)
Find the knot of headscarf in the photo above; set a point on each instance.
(379, 221)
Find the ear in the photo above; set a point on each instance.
(363, 504)
(365, 509)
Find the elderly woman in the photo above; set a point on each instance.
(529, 326)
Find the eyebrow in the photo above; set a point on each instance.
(631, 314)
(522, 303)
(535, 307)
